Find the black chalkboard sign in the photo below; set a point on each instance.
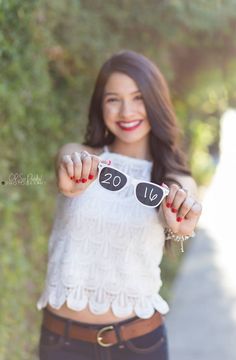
(149, 194)
(112, 179)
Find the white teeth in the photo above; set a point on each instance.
(129, 124)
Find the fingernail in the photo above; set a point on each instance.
(90, 177)
(108, 162)
(168, 204)
(174, 210)
(163, 184)
(179, 219)
(71, 177)
(77, 180)
(84, 180)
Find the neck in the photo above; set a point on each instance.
(135, 150)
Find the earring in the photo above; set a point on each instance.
(106, 132)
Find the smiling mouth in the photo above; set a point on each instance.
(129, 126)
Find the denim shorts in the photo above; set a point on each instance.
(151, 346)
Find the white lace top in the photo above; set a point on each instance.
(105, 249)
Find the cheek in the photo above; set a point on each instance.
(109, 112)
(142, 109)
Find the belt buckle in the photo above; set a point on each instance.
(99, 335)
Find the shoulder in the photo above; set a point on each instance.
(185, 181)
(72, 147)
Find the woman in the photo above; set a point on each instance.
(101, 298)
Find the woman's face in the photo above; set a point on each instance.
(124, 112)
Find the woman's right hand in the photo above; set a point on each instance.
(76, 172)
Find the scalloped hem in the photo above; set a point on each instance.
(121, 305)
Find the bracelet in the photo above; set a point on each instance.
(170, 235)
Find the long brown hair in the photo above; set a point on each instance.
(164, 134)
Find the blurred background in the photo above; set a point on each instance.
(50, 53)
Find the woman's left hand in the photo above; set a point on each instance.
(181, 211)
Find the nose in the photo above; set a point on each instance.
(126, 109)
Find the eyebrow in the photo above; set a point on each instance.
(114, 93)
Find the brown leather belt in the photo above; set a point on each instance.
(103, 335)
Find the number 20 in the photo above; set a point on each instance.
(114, 181)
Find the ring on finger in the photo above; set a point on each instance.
(84, 154)
(66, 159)
(76, 158)
(191, 204)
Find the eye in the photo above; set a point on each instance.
(138, 97)
(112, 100)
